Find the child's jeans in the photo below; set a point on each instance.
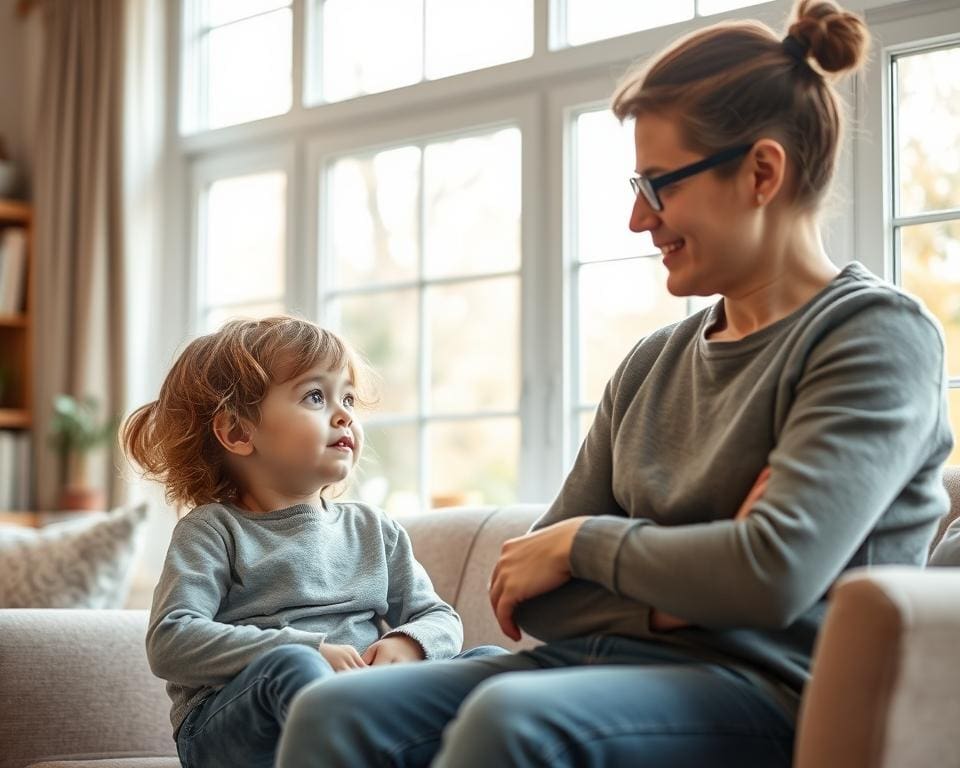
(239, 725)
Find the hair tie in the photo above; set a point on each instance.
(795, 49)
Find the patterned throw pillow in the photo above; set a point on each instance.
(85, 563)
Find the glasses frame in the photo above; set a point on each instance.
(650, 187)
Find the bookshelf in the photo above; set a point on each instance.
(16, 348)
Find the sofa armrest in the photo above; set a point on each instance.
(885, 690)
(76, 683)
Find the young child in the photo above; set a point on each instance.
(267, 585)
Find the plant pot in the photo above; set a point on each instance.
(82, 497)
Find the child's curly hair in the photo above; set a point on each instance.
(230, 370)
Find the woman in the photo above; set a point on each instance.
(739, 462)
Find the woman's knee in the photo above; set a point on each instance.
(498, 711)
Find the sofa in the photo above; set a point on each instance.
(76, 690)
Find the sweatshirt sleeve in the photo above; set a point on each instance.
(588, 488)
(947, 552)
(582, 607)
(414, 608)
(185, 644)
(867, 413)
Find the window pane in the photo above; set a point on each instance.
(464, 35)
(245, 239)
(373, 214)
(930, 264)
(388, 473)
(472, 199)
(475, 356)
(224, 11)
(249, 69)
(217, 316)
(620, 302)
(473, 462)
(708, 7)
(589, 20)
(363, 57)
(928, 124)
(383, 326)
(604, 159)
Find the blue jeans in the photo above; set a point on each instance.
(239, 725)
(594, 701)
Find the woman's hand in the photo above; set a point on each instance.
(341, 657)
(664, 622)
(395, 649)
(529, 566)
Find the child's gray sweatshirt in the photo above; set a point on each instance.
(237, 583)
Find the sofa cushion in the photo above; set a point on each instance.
(442, 542)
(76, 684)
(80, 564)
(473, 601)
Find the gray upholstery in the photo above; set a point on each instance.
(76, 690)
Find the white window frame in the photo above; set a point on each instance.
(535, 93)
(216, 168)
(897, 30)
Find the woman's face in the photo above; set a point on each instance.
(710, 228)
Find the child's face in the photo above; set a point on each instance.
(308, 436)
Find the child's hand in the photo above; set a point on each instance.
(393, 650)
(664, 622)
(341, 657)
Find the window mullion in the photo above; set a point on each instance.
(423, 348)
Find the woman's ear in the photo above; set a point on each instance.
(232, 433)
(766, 166)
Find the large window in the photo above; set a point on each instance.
(925, 229)
(424, 276)
(447, 187)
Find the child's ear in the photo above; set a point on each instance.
(232, 433)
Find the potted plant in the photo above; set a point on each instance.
(75, 431)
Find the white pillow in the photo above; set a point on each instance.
(85, 563)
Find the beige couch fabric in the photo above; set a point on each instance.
(76, 683)
(76, 690)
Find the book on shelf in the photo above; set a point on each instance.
(13, 269)
(14, 470)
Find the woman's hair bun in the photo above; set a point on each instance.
(836, 39)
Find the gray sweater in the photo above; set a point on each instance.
(844, 399)
(236, 584)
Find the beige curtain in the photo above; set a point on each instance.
(79, 339)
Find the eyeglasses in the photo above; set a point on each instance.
(649, 188)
